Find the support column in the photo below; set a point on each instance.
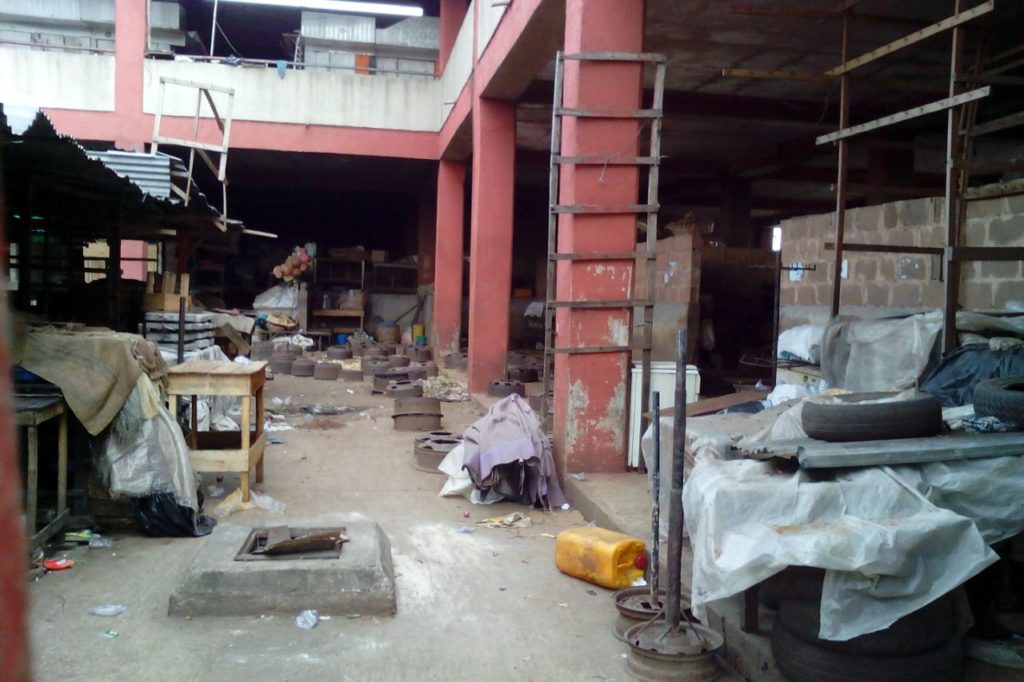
(733, 226)
(130, 29)
(453, 12)
(591, 390)
(490, 242)
(14, 651)
(448, 250)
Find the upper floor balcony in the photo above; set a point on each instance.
(285, 65)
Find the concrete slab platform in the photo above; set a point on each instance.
(361, 580)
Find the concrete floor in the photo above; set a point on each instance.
(489, 604)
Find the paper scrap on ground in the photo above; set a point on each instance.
(513, 520)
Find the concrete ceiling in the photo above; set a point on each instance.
(764, 129)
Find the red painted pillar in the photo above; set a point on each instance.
(591, 390)
(14, 653)
(453, 12)
(448, 250)
(130, 28)
(490, 246)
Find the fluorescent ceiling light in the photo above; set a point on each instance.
(376, 8)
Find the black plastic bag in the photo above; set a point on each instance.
(953, 380)
(160, 515)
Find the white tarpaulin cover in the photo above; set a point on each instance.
(892, 539)
(850, 356)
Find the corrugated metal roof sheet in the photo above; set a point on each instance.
(151, 173)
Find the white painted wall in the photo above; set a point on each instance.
(459, 66)
(305, 97)
(61, 80)
(491, 12)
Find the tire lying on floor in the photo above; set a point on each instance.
(801, 661)
(1001, 398)
(926, 629)
(850, 419)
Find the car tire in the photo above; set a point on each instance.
(792, 582)
(923, 630)
(1001, 398)
(800, 661)
(852, 420)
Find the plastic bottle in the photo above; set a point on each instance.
(600, 556)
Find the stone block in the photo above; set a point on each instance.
(1013, 205)
(914, 212)
(904, 236)
(805, 295)
(866, 268)
(906, 295)
(985, 207)
(889, 217)
(1004, 292)
(877, 294)
(887, 268)
(1006, 231)
(850, 293)
(823, 293)
(911, 267)
(976, 295)
(939, 210)
(787, 294)
(975, 231)
(865, 219)
(933, 295)
(1000, 269)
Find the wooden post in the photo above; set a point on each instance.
(951, 285)
(32, 482)
(844, 153)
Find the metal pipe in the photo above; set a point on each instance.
(673, 590)
(656, 496)
(213, 26)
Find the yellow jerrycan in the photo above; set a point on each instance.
(600, 556)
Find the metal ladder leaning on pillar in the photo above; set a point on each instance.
(651, 162)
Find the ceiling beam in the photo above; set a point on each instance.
(720, 106)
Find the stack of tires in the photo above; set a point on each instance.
(923, 645)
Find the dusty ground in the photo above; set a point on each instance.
(488, 605)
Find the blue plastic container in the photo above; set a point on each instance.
(342, 339)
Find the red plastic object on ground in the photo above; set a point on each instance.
(57, 564)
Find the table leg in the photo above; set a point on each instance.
(751, 610)
(62, 464)
(246, 418)
(32, 479)
(193, 435)
(260, 421)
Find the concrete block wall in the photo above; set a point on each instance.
(882, 284)
(676, 291)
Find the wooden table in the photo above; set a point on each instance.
(333, 314)
(30, 412)
(223, 451)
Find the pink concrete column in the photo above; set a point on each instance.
(448, 250)
(130, 28)
(453, 12)
(490, 244)
(591, 390)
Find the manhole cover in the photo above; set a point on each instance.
(282, 542)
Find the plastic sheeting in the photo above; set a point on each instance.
(878, 355)
(803, 342)
(891, 539)
(154, 459)
(953, 380)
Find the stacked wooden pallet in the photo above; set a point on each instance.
(198, 330)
